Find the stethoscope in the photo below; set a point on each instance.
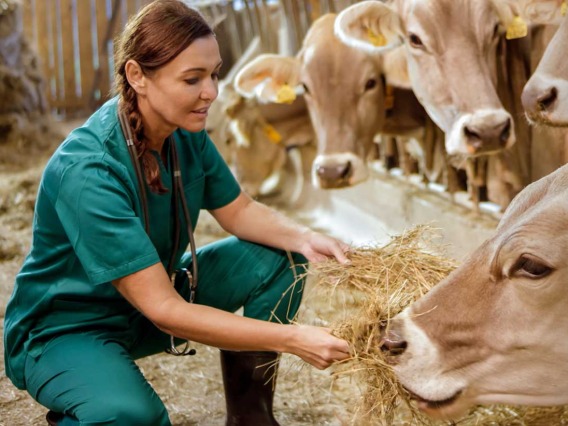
(178, 195)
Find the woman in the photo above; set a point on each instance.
(94, 294)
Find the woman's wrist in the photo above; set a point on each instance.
(304, 240)
(287, 342)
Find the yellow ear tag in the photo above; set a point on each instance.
(377, 40)
(285, 95)
(272, 134)
(564, 8)
(517, 28)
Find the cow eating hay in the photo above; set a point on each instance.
(385, 280)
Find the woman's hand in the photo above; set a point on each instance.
(317, 346)
(319, 247)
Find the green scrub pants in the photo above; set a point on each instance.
(91, 376)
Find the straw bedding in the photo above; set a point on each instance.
(381, 282)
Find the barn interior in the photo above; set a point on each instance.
(56, 68)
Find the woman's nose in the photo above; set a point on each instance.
(210, 90)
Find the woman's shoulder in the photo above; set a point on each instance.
(98, 129)
(96, 139)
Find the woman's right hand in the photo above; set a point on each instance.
(317, 346)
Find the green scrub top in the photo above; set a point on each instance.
(88, 230)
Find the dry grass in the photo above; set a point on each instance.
(381, 282)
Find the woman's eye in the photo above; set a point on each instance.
(215, 76)
(305, 87)
(370, 84)
(192, 81)
(531, 268)
(415, 41)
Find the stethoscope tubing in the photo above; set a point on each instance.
(177, 193)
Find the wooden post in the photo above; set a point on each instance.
(105, 30)
(68, 59)
(86, 65)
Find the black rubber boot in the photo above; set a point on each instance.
(249, 379)
(53, 418)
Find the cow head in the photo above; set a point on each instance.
(344, 92)
(494, 331)
(545, 96)
(260, 139)
(451, 49)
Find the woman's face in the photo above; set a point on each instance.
(179, 94)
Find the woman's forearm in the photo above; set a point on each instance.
(263, 225)
(151, 292)
(225, 330)
(253, 221)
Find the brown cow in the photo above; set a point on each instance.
(345, 94)
(494, 331)
(465, 72)
(265, 144)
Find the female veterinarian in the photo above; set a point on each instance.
(114, 214)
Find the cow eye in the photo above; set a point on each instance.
(531, 268)
(415, 41)
(370, 84)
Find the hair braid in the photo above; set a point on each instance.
(150, 166)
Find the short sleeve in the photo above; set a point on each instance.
(221, 187)
(96, 208)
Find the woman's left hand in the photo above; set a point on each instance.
(319, 247)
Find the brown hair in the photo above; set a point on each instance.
(153, 38)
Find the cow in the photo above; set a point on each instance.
(494, 331)
(266, 145)
(545, 96)
(466, 61)
(346, 95)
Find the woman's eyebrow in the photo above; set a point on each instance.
(201, 69)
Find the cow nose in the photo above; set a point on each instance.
(392, 342)
(336, 172)
(539, 95)
(545, 101)
(487, 137)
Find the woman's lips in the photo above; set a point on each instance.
(201, 112)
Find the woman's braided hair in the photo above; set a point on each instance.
(153, 38)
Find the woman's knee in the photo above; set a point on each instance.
(125, 411)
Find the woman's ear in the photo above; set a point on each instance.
(135, 76)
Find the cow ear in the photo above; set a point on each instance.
(544, 11)
(370, 25)
(270, 78)
(510, 13)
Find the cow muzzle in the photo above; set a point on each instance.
(338, 171)
(392, 344)
(541, 100)
(417, 364)
(481, 133)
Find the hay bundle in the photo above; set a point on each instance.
(387, 279)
